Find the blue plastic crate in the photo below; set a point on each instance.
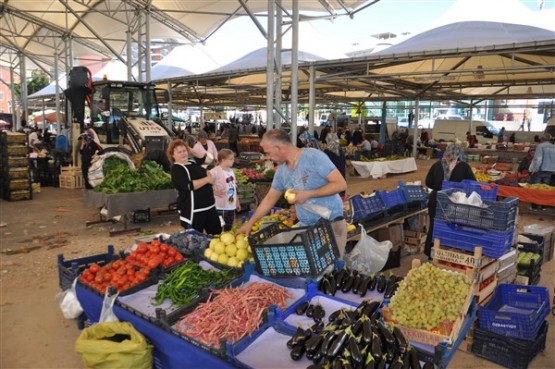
(394, 201)
(515, 311)
(366, 208)
(494, 244)
(495, 215)
(68, 270)
(414, 194)
(487, 191)
(294, 252)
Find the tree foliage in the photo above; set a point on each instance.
(38, 81)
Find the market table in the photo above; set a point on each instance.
(502, 155)
(170, 351)
(377, 169)
(123, 203)
(530, 195)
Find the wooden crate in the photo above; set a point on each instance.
(71, 170)
(485, 289)
(415, 240)
(435, 338)
(71, 181)
(475, 265)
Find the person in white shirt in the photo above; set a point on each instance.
(225, 188)
(205, 148)
(34, 141)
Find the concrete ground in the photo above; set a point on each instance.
(33, 332)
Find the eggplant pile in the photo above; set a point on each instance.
(354, 339)
(347, 280)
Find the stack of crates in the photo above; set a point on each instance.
(463, 226)
(512, 326)
(71, 178)
(507, 267)
(15, 183)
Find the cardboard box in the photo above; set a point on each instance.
(393, 233)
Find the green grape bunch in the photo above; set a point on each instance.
(429, 297)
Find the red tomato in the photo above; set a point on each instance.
(154, 249)
(155, 242)
(153, 263)
(94, 268)
(98, 278)
(171, 251)
(164, 247)
(142, 248)
(178, 257)
(167, 262)
(117, 264)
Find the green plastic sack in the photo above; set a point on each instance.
(113, 345)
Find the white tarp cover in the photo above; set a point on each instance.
(99, 27)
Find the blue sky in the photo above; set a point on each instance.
(238, 37)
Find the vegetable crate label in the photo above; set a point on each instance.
(457, 257)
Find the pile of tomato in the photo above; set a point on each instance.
(121, 274)
(134, 269)
(150, 255)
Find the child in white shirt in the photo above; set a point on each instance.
(225, 188)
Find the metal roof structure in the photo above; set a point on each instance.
(57, 32)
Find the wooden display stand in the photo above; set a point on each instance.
(477, 267)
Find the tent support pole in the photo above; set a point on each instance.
(270, 67)
(295, 72)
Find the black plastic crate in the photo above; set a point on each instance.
(299, 252)
(494, 215)
(509, 352)
(68, 270)
(141, 216)
(536, 246)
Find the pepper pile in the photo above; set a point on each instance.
(184, 282)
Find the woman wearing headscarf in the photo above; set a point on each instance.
(451, 167)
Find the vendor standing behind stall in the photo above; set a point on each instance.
(313, 179)
(88, 149)
(451, 167)
(195, 200)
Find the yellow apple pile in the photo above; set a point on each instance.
(230, 250)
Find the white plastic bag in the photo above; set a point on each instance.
(107, 313)
(69, 304)
(322, 211)
(369, 255)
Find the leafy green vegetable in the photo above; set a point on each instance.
(120, 178)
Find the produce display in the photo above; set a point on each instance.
(286, 216)
(257, 173)
(120, 178)
(190, 241)
(540, 186)
(120, 274)
(387, 158)
(525, 258)
(233, 313)
(352, 339)
(154, 254)
(429, 298)
(182, 285)
(229, 250)
(348, 280)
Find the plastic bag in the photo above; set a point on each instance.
(323, 211)
(369, 255)
(96, 173)
(107, 313)
(69, 304)
(114, 345)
